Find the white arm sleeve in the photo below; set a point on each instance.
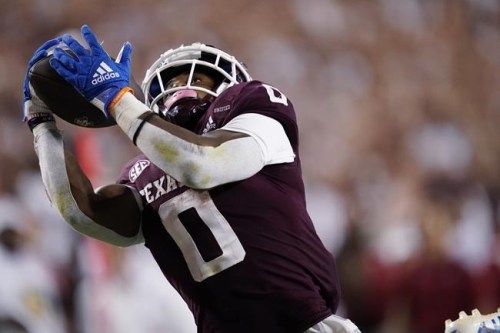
(199, 167)
(49, 147)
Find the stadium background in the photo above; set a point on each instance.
(399, 110)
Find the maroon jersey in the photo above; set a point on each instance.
(245, 255)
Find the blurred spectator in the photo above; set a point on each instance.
(433, 285)
(487, 280)
(29, 293)
(366, 282)
(123, 291)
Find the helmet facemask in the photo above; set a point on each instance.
(187, 108)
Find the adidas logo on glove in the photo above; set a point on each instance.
(103, 73)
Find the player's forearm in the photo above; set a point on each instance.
(67, 187)
(196, 161)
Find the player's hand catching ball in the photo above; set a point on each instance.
(93, 73)
(34, 110)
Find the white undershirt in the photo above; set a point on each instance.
(268, 133)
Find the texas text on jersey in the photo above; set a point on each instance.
(204, 240)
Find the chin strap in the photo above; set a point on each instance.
(177, 96)
(223, 86)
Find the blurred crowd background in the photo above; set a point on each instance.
(399, 110)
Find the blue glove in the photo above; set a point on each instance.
(93, 73)
(34, 110)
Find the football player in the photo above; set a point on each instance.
(217, 195)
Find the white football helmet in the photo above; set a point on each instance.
(475, 323)
(223, 67)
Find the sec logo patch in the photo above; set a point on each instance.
(137, 169)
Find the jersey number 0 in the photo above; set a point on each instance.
(207, 241)
(205, 238)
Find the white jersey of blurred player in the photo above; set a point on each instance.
(28, 289)
(123, 291)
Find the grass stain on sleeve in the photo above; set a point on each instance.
(170, 153)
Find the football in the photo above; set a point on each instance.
(67, 103)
